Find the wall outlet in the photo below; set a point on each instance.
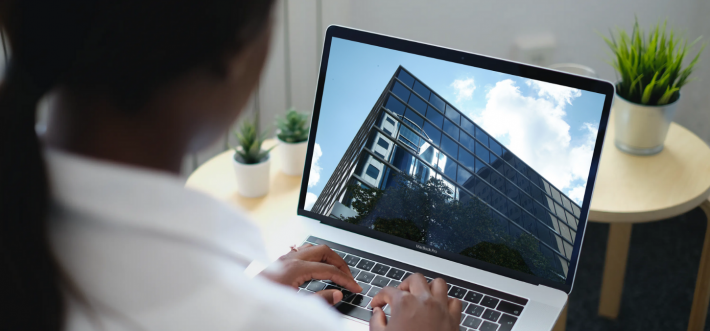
(537, 49)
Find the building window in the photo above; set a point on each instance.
(482, 152)
(449, 146)
(405, 78)
(481, 136)
(467, 160)
(383, 143)
(423, 91)
(395, 105)
(434, 116)
(468, 126)
(437, 102)
(372, 171)
(387, 131)
(391, 121)
(379, 154)
(417, 103)
(495, 147)
(453, 114)
(400, 91)
(433, 133)
(451, 129)
(414, 118)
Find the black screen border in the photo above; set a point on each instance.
(479, 61)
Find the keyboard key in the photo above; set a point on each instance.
(489, 302)
(406, 275)
(361, 300)
(474, 297)
(380, 269)
(457, 292)
(475, 310)
(387, 310)
(315, 286)
(365, 265)
(461, 328)
(428, 280)
(472, 322)
(394, 284)
(463, 306)
(491, 315)
(506, 322)
(365, 287)
(354, 271)
(341, 254)
(380, 281)
(305, 284)
(395, 274)
(347, 295)
(365, 277)
(488, 326)
(510, 308)
(304, 291)
(373, 292)
(354, 311)
(351, 260)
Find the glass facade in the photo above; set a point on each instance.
(418, 133)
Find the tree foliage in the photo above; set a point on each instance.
(427, 213)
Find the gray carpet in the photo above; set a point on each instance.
(660, 276)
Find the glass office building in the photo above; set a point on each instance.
(413, 130)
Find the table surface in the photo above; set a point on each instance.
(629, 188)
(633, 189)
(216, 178)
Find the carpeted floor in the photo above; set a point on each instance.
(660, 276)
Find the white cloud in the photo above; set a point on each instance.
(560, 94)
(310, 200)
(538, 133)
(463, 89)
(314, 177)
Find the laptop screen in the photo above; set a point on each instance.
(454, 158)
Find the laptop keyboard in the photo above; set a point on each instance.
(482, 308)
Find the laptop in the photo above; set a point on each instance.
(478, 170)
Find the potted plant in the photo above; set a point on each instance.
(648, 91)
(293, 137)
(251, 162)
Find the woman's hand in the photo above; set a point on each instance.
(416, 305)
(313, 262)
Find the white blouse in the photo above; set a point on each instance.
(148, 254)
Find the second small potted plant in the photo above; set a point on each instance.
(293, 141)
(251, 161)
(648, 92)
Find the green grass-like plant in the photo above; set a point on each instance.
(651, 66)
(248, 150)
(293, 127)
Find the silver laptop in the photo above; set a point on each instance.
(454, 165)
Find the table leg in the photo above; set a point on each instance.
(617, 251)
(562, 320)
(699, 309)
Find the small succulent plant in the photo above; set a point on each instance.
(293, 127)
(248, 150)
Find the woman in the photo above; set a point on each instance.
(96, 231)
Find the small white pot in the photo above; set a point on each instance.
(642, 129)
(292, 156)
(253, 180)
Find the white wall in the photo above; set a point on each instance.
(481, 26)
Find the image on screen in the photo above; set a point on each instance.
(487, 165)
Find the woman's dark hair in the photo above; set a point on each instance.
(123, 50)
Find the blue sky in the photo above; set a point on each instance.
(550, 127)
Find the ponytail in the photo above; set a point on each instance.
(31, 295)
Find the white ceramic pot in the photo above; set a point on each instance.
(292, 156)
(641, 129)
(253, 180)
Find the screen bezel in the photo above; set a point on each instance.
(479, 61)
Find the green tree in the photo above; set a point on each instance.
(427, 213)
